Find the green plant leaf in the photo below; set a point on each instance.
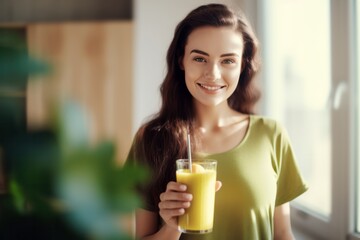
(18, 196)
(72, 126)
(15, 62)
(97, 191)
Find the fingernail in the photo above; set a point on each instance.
(188, 196)
(183, 187)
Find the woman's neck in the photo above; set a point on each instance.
(218, 129)
(210, 118)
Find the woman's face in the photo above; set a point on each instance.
(212, 64)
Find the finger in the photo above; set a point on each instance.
(175, 196)
(218, 185)
(168, 214)
(173, 205)
(175, 186)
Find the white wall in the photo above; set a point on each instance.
(155, 22)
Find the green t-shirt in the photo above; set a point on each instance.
(257, 175)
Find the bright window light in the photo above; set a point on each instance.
(298, 85)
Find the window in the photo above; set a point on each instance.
(300, 83)
(309, 83)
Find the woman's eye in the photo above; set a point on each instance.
(199, 59)
(228, 61)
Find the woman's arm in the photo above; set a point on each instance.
(282, 225)
(172, 204)
(147, 227)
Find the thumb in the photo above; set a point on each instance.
(218, 185)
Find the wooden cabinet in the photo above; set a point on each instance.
(92, 64)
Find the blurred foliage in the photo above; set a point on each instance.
(59, 186)
(15, 62)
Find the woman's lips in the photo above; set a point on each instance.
(210, 87)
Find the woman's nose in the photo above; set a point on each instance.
(212, 73)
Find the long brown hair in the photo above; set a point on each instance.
(162, 140)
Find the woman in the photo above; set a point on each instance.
(208, 91)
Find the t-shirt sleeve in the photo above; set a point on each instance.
(290, 183)
(143, 189)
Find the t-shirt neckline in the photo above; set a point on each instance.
(242, 142)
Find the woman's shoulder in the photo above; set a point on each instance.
(266, 123)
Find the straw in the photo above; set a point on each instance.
(189, 151)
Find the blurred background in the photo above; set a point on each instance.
(101, 63)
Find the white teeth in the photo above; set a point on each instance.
(211, 88)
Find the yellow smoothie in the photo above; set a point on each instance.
(198, 218)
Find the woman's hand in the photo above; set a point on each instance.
(175, 200)
(173, 203)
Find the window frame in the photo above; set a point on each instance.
(355, 99)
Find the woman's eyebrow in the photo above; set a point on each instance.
(230, 55)
(222, 55)
(199, 52)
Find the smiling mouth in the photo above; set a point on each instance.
(210, 88)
